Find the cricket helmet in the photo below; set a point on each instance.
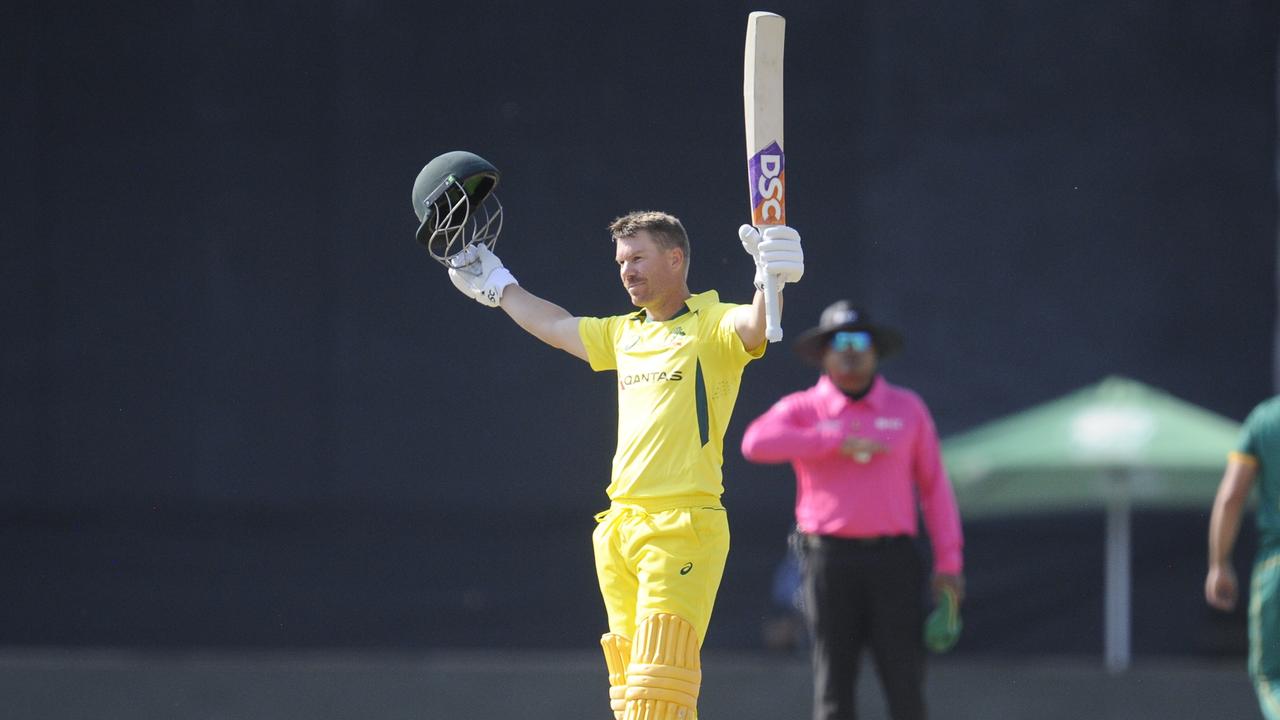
(454, 200)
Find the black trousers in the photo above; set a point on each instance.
(857, 594)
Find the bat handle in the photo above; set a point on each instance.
(772, 317)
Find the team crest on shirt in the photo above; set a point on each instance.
(676, 337)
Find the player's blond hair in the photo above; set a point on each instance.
(665, 229)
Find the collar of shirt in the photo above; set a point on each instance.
(834, 400)
(693, 302)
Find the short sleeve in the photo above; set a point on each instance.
(1247, 444)
(728, 340)
(599, 336)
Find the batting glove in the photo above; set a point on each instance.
(776, 251)
(479, 274)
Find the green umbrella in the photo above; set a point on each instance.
(1109, 445)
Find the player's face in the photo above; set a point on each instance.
(648, 272)
(849, 368)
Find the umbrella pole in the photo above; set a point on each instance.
(1118, 574)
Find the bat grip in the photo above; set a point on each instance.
(773, 318)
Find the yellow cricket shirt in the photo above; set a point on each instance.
(677, 384)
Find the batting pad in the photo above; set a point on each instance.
(665, 673)
(617, 653)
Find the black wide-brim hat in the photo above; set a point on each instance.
(842, 316)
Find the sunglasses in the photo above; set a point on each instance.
(851, 340)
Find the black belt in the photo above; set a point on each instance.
(834, 541)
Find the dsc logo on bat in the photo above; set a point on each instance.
(768, 180)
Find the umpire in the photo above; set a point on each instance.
(866, 459)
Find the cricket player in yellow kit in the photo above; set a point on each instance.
(660, 548)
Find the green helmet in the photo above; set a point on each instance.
(455, 204)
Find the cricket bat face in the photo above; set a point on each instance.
(762, 103)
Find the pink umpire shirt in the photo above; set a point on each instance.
(867, 496)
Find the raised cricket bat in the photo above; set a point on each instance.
(766, 167)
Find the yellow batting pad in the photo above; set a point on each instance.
(617, 654)
(665, 673)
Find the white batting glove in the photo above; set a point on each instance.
(750, 237)
(479, 274)
(776, 251)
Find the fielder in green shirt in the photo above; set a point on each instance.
(1255, 461)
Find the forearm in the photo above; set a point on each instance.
(1224, 527)
(1228, 509)
(751, 322)
(942, 519)
(544, 320)
(772, 439)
